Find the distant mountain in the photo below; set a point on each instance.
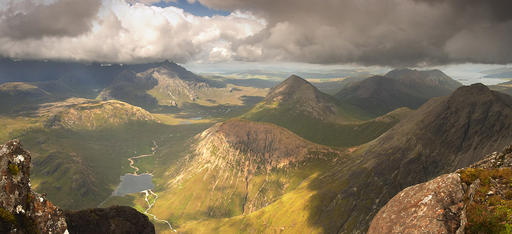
(333, 86)
(379, 95)
(505, 87)
(300, 107)
(498, 73)
(20, 96)
(399, 88)
(429, 83)
(163, 84)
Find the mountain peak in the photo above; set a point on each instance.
(475, 93)
(298, 95)
(296, 78)
(293, 87)
(432, 78)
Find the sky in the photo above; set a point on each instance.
(297, 33)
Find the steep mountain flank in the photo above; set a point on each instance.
(398, 88)
(79, 113)
(237, 167)
(443, 135)
(471, 122)
(477, 199)
(297, 105)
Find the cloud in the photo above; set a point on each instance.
(367, 32)
(61, 18)
(135, 33)
(381, 32)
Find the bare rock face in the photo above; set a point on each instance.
(431, 207)
(23, 211)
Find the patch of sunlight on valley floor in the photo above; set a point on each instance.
(172, 119)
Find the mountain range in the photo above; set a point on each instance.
(226, 156)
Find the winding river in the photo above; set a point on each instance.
(135, 183)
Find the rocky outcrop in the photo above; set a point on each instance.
(477, 199)
(115, 220)
(430, 207)
(23, 211)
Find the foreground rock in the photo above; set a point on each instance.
(426, 207)
(21, 210)
(117, 219)
(477, 199)
(24, 211)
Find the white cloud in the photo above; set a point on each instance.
(128, 33)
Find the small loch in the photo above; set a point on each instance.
(131, 183)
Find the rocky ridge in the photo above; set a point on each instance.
(476, 199)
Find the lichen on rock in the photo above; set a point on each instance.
(21, 210)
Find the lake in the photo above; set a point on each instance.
(131, 183)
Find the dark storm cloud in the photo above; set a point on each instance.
(381, 32)
(61, 18)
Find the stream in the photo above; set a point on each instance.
(135, 183)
